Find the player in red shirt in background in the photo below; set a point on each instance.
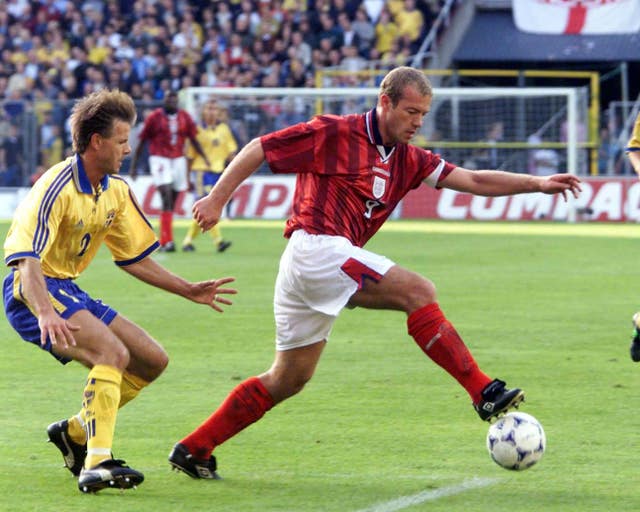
(167, 129)
(351, 173)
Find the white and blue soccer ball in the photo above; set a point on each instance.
(516, 441)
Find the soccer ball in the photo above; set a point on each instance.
(516, 441)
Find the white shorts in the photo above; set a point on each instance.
(318, 275)
(169, 171)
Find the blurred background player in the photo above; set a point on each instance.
(56, 232)
(633, 151)
(351, 172)
(220, 146)
(166, 130)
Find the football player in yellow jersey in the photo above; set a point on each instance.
(633, 151)
(220, 146)
(56, 231)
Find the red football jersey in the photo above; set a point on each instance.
(167, 133)
(347, 182)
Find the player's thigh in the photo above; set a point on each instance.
(95, 342)
(399, 289)
(147, 358)
(179, 175)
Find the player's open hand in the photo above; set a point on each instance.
(58, 330)
(213, 293)
(561, 184)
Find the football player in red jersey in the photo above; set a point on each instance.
(166, 129)
(351, 173)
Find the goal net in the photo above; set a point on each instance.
(518, 129)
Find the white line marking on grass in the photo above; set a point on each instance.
(421, 497)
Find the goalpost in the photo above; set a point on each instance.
(458, 126)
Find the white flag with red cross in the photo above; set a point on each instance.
(595, 17)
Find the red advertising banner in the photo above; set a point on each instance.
(270, 197)
(602, 199)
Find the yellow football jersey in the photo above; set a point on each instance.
(217, 143)
(63, 221)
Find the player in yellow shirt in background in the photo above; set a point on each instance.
(220, 146)
(633, 151)
(56, 232)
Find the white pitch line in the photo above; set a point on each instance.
(421, 497)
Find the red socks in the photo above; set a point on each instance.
(439, 340)
(246, 404)
(166, 227)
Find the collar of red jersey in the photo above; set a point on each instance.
(80, 177)
(375, 137)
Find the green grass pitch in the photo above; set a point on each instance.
(546, 307)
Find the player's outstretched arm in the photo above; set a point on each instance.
(212, 293)
(500, 183)
(207, 211)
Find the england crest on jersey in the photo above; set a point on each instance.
(379, 186)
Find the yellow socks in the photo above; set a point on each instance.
(216, 234)
(99, 409)
(130, 387)
(194, 231)
(76, 429)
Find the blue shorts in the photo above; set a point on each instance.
(66, 297)
(204, 181)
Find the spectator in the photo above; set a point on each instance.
(300, 49)
(249, 16)
(491, 157)
(52, 149)
(18, 81)
(223, 14)
(609, 153)
(310, 36)
(349, 36)
(410, 21)
(330, 31)
(11, 158)
(365, 31)
(542, 161)
(269, 24)
(292, 112)
(386, 32)
(352, 61)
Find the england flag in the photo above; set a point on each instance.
(593, 17)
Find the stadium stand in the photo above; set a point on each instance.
(53, 51)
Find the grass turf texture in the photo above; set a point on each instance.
(546, 307)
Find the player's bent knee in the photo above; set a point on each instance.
(420, 293)
(115, 355)
(281, 387)
(160, 364)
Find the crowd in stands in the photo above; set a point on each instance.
(52, 51)
(63, 48)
